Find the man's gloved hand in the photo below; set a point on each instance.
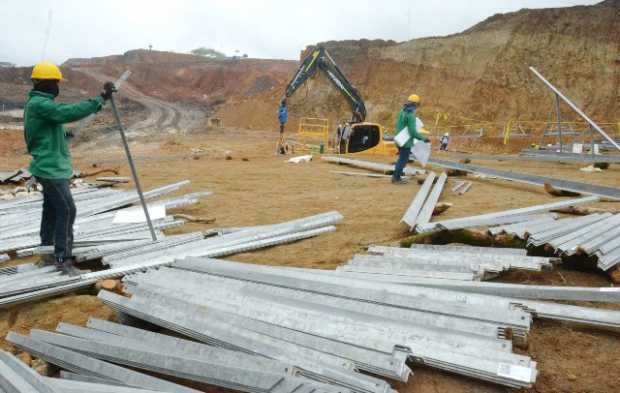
(108, 90)
(426, 140)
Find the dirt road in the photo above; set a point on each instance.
(162, 116)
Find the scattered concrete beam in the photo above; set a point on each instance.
(411, 215)
(568, 185)
(372, 166)
(429, 205)
(465, 188)
(502, 217)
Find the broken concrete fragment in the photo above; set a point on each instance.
(110, 285)
(557, 192)
(26, 358)
(583, 211)
(441, 207)
(42, 367)
(614, 274)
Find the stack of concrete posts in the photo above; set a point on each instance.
(127, 257)
(184, 360)
(16, 376)
(592, 235)
(258, 328)
(318, 321)
(394, 264)
(20, 218)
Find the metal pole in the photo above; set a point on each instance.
(575, 108)
(592, 139)
(134, 173)
(87, 120)
(559, 115)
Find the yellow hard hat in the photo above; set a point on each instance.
(46, 70)
(414, 98)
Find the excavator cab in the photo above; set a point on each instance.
(365, 138)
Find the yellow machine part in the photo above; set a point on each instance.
(383, 147)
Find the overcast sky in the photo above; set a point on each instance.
(260, 28)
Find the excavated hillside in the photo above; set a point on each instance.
(481, 73)
(192, 79)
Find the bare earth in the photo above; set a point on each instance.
(257, 187)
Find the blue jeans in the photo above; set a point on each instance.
(58, 216)
(403, 159)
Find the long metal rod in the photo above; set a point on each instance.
(89, 119)
(559, 115)
(591, 140)
(134, 172)
(575, 108)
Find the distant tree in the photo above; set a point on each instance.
(207, 52)
(245, 55)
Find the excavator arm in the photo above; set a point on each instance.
(320, 59)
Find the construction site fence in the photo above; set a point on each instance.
(313, 129)
(524, 129)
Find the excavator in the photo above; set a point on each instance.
(358, 136)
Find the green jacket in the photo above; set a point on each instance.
(407, 119)
(45, 135)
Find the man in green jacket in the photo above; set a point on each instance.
(51, 161)
(406, 118)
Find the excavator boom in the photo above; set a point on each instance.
(320, 59)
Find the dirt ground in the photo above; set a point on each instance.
(257, 187)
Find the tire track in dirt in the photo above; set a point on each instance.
(162, 116)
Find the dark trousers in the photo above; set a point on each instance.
(403, 159)
(58, 216)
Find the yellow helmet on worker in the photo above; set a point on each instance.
(414, 98)
(46, 70)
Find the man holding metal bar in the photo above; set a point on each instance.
(51, 161)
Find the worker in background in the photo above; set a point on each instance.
(344, 137)
(406, 118)
(51, 161)
(282, 115)
(282, 118)
(339, 131)
(444, 141)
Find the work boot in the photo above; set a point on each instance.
(46, 260)
(400, 181)
(66, 266)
